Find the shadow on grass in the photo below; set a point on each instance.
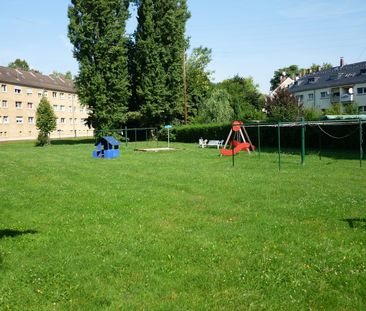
(73, 141)
(356, 222)
(13, 233)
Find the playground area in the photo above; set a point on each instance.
(180, 230)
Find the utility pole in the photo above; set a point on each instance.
(185, 88)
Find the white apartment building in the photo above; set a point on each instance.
(343, 84)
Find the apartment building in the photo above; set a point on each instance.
(20, 94)
(343, 84)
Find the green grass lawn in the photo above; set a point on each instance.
(180, 230)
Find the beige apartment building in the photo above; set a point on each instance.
(20, 94)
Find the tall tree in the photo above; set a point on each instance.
(20, 64)
(45, 121)
(158, 60)
(97, 31)
(245, 98)
(198, 79)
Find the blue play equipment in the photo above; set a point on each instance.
(107, 147)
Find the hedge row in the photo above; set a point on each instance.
(347, 136)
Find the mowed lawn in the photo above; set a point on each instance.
(180, 230)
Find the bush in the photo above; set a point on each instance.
(311, 114)
(351, 108)
(334, 109)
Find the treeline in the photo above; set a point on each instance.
(147, 79)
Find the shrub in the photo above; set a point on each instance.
(311, 114)
(334, 109)
(46, 122)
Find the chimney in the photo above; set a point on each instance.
(341, 62)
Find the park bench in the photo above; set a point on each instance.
(215, 143)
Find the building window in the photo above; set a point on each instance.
(19, 120)
(62, 108)
(29, 91)
(17, 90)
(31, 120)
(62, 95)
(4, 104)
(5, 119)
(361, 90)
(324, 94)
(45, 93)
(4, 88)
(70, 108)
(18, 105)
(54, 94)
(363, 72)
(311, 96)
(311, 80)
(30, 105)
(62, 120)
(300, 98)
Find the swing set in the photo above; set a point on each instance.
(238, 139)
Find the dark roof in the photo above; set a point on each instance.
(34, 79)
(110, 140)
(337, 76)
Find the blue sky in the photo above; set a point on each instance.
(249, 38)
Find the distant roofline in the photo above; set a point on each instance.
(30, 78)
(347, 75)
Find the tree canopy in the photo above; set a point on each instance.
(245, 99)
(97, 31)
(283, 106)
(20, 64)
(198, 79)
(158, 60)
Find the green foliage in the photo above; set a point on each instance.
(245, 99)
(66, 76)
(20, 64)
(351, 108)
(334, 109)
(97, 31)
(216, 108)
(43, 139)
(198, 79)
(324, 66)
(312, 114)
(283, 106)
(290, 71)
(158, 60)
(45, 121)
(192, 133)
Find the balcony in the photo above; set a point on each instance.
(346, 98)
